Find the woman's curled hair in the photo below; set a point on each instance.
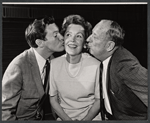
(76, 19)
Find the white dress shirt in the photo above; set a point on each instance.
(104, 80)
(41, 62)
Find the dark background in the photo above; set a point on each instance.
(15, 19)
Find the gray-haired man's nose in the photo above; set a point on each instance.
(88, 39)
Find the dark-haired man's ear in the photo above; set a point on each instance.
(39, 42)
(110, 46)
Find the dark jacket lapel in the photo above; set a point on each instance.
(120, 103)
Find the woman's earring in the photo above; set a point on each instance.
(84, 46)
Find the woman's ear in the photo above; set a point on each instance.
(39, 42)
(110, 45)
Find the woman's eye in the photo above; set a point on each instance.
(79, 36)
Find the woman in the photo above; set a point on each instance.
(74, 77)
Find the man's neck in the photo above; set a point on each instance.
(108, 54)
(44, 54)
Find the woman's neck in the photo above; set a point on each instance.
(73, 59)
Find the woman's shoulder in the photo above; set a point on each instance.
(90, 59)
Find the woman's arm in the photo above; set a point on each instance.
(96, 106)
(93, 111)
(58, 109)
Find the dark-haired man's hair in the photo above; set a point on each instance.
(36, 30)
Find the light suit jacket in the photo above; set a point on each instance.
(22, 88)
(127, 86)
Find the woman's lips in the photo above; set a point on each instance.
(72, 45)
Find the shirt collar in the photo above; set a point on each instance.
(106, 61)
(40, 60)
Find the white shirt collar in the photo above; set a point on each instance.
(40, 60)
(105, 95)
(106, 61)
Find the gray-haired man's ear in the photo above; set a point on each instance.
(110, 46)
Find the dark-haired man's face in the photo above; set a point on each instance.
(53, 40)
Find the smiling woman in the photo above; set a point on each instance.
(74, 77)
(74, 41)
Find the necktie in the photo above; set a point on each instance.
(46, 105)
(102, 107)
(47, 69)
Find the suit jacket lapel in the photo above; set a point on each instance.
(36, 72)
(110, 92)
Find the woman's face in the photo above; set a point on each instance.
(74, 39)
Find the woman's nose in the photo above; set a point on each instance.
(72, 38)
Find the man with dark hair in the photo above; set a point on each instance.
(124, 81)
(24, 87)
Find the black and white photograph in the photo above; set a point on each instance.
(85, 61)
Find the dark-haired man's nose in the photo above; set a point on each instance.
(61, 38)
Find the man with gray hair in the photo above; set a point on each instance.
(124, 94)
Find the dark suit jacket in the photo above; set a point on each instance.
(127, 86)
(22, 88)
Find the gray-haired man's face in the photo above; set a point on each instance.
(96, 41)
